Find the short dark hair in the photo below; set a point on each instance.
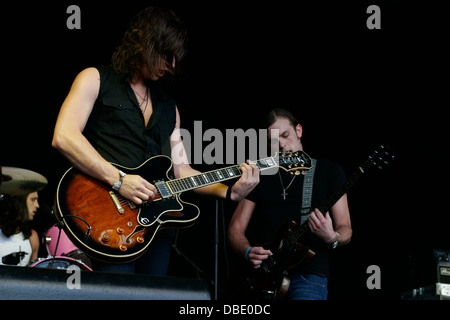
(272, 116)
(154, 36)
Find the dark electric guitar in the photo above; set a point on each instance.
(110, 228)
(271, 281)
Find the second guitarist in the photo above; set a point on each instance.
(123, 114)
(276, 198)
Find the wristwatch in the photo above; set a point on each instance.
(335, 244)
(118, 183)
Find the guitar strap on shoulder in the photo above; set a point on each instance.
(307, 192)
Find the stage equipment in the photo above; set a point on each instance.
(17, 181)
(22, 283)
(442, 258)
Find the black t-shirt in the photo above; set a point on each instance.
(272, 210)
(116, 127)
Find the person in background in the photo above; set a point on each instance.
(278, 197)
(19, 243)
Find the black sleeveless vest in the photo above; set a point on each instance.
(116, 126)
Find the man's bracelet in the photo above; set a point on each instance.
(246, 253)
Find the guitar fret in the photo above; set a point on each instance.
(180, 185)
(224, 173)
(186, 184)
(172, 186)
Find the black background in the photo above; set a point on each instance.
(351, 89)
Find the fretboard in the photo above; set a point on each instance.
(325, 207)
(216, 176)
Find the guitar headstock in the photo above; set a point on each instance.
(297, 162)
(380, 159)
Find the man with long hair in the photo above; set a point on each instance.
(123, 114)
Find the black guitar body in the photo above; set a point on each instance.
(271, 281)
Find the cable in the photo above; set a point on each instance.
(88, 231)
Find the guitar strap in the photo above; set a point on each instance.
(307, 193)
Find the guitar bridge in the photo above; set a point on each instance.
(116, 202)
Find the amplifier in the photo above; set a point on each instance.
(443, 273)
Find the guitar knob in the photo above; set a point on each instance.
(123, 248)
(105, 237)
(119, 230)
(140, 239)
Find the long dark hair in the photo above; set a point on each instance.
(153, 39)
(14, 215)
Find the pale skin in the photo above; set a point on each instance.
(68, 138)
(322, 225)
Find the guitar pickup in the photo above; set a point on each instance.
(163, 190)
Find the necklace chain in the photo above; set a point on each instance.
(144, 100)
(284, 194)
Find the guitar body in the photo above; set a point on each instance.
(110, 228)
(271, 281)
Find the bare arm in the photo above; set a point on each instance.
(236, 234)
(72, 119)
(70, 141)
(34, 241)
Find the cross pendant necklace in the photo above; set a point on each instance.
(284, 194)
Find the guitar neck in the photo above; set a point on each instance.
(325, 207)
(380, 158)
(211, 177)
